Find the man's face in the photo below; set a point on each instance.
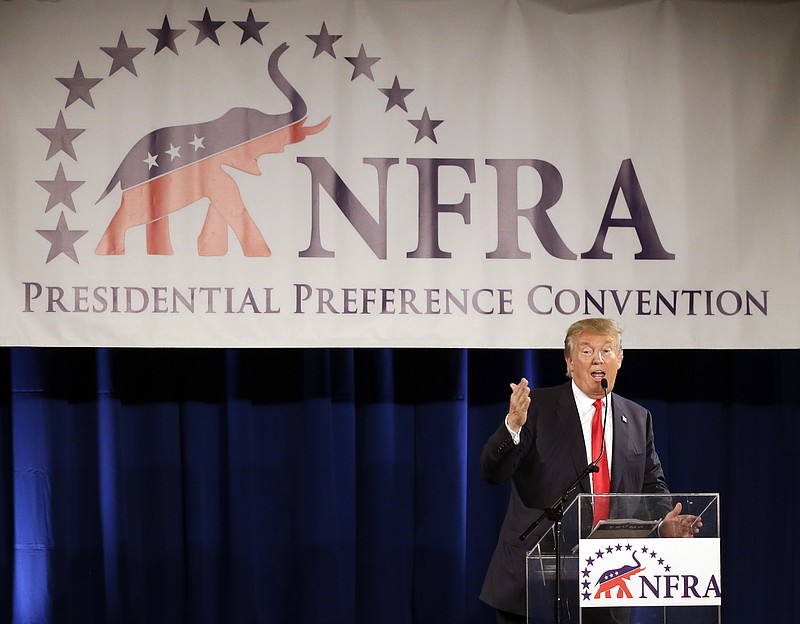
(594, 358)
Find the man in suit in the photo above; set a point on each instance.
(544, 445)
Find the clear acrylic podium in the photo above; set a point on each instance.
(621, 570)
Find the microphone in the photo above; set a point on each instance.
(604, 386)
(555, 511)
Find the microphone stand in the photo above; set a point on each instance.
(555, 513)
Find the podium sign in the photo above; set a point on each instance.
(637, 572)
(622, 568)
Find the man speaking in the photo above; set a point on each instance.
(549, 437)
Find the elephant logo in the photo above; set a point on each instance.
(618, 579)
(172, 167)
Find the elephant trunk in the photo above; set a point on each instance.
(299, 108)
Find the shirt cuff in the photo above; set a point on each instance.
(514, 434)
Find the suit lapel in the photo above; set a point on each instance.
(570, 422)
(619, 461)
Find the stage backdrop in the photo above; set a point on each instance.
(340, 486)
(398, 173)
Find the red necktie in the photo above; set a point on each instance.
(601, 481)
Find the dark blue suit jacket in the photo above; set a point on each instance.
(550, 456)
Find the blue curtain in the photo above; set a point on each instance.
(341, 485)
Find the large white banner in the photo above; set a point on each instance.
(454, 173)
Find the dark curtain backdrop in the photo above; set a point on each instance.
(316, 485)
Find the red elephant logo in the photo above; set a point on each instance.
(618, 579)
(173, 167)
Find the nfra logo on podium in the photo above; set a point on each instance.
(655, 572)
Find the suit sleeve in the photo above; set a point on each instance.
(500, 457)
(654, 480)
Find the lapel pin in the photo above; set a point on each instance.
(624, 418)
